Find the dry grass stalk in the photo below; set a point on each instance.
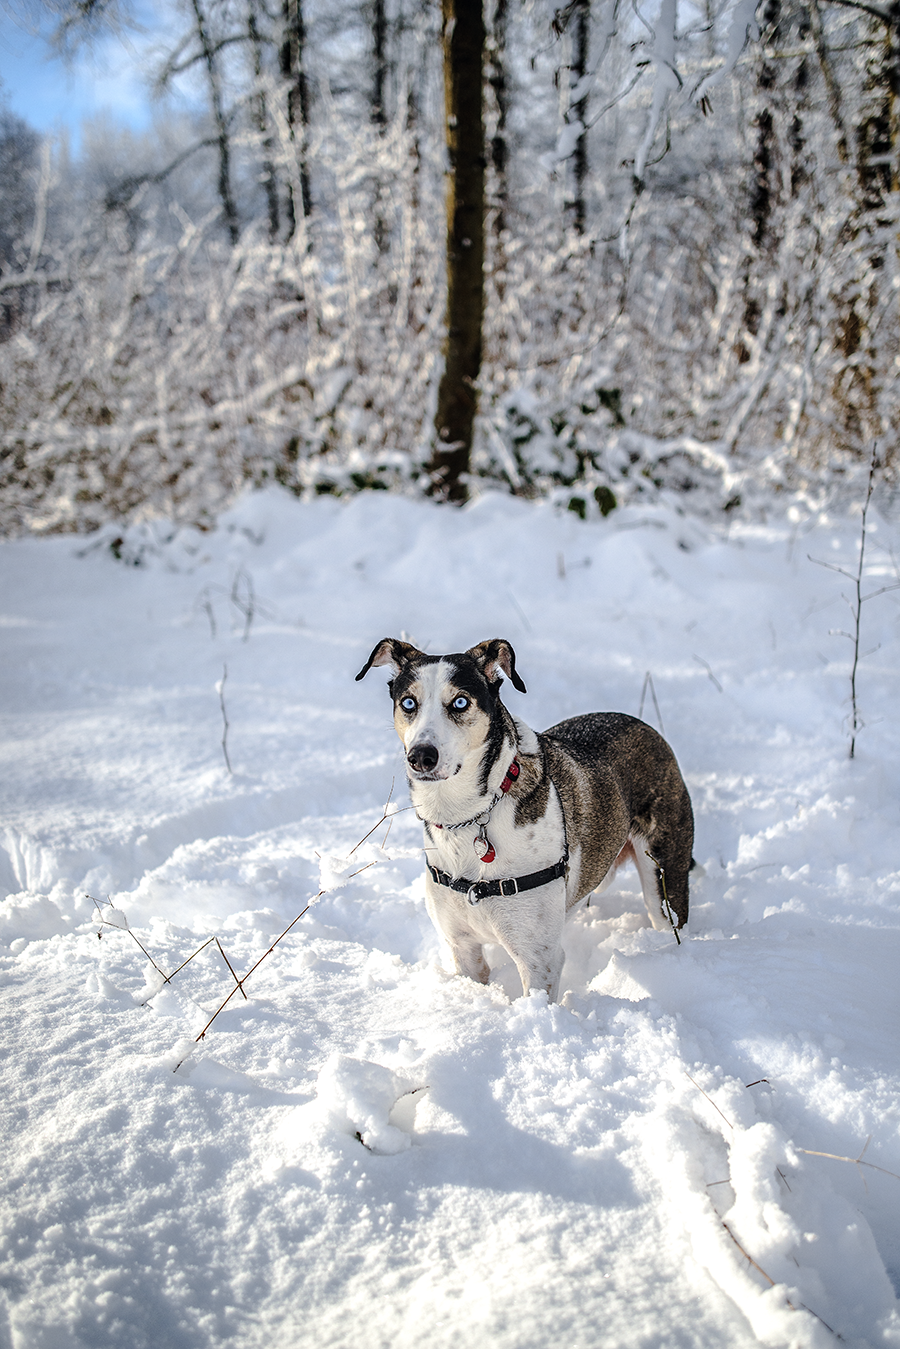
(667, 907)
(771, 1282)
(708, 668)
(711, 1101)
(230, 966)
(221, 688)
(648, 684)
(239, 982)
(856, 1161)
(104, 922)
(856, 721)
(166, 978)
(243, 598)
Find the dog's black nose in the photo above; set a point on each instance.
(422, 758)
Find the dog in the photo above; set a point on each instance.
(520, 828)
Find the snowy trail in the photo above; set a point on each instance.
(368, 1151)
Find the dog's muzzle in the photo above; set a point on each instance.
(423, 758)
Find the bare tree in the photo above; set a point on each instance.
(581, 26)
(499, 85)
(293, 70)
(463, 48)
(261, 118)
(217, 102)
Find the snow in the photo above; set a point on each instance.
(365, 1150)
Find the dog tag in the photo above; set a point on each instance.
(484, 849)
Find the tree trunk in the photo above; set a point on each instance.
(261, 116)
(463, 42)
(379, 113)
(498, 84)
(763, 185)
(215, 91)
(580, 40)
(293, 68)
(379, 82)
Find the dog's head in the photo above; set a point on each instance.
(444, 706)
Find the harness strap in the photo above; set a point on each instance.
(476, 891)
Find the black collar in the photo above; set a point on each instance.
(476, 891)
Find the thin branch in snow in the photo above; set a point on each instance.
(648, 683)
(105, 922)
(759, 1269)
(189, 959)
(856, 721)
(220, 689)
(240, 982)
(855, 1161)
(708, 670)
(166, 978)
(387, 815)
(230, 966)
(243, 598)
(710, 1099)
(204, 601)
(666, 906)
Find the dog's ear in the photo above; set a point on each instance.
(390, 651)
(493, 656)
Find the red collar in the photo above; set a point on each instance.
(511, 774)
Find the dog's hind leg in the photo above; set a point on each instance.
(664, 882)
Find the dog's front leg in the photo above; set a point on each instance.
(445, 912)
(468, 958)
(531, 932)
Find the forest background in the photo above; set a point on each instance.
(670, 259)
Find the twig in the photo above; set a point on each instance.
(710, 1099)
(230, 966)
(520, 611)
(856, 722)
(221, 687)
(708, 670)
(167, 978)
(244, 599)
(668, 907)
(240, 982)
(104, 922)
(205, 601)
(859, 600)
(648, 683)
(857, 1161)
(190, 958)
(384, 817)
(769, 1280)
(749, 1258)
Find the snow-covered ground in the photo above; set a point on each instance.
(367, 1151)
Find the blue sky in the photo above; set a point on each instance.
(52, 95)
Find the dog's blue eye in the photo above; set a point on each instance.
(460, 703)
(408, 704)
